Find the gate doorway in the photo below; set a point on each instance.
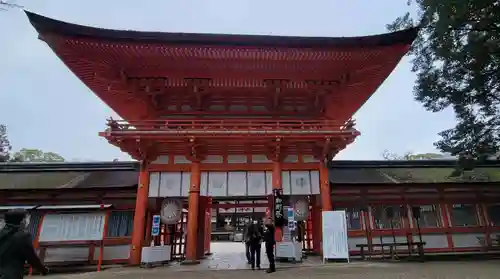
(229, 217)
(175, 236)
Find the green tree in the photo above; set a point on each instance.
(5, 146)
(457, 61)
(411, 156)
(35, 155)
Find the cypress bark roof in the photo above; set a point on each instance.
(125, 174)
(45, 25)
(67, 175)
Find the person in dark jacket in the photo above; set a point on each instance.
(254, 236)
(16, 247)
(270, 242)
(246, 240)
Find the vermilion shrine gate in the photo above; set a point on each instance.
(216, 117)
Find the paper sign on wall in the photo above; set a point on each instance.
(72, 227)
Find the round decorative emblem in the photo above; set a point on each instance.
(301, 210)
(171, 211)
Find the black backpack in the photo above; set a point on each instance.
(255, 233)
(5, 236)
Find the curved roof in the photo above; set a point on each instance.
(106, 60)
(45, 25)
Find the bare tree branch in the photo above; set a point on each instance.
(4, 5)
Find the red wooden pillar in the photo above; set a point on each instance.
(277, 184)
(200, 251)
(325, 196)
(35, 243)
(316, 224)
(141, 204)
(445, 209)
(483, 215)
(445, 216)
(324, 187)
(192, 220)
(208, 227)
(149, 221)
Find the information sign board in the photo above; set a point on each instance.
(335, 245)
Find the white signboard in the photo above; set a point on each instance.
(72, 227)
(335, 244)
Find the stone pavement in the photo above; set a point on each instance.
(228, 261)
(231, 256)
(355, 270)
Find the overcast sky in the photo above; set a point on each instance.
(45, 106)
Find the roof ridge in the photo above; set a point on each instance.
(74, 182)
(386, 175)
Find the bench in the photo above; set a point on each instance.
(392, 248)
(494, 243)
(222, 235)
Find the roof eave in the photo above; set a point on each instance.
(45, 25)
(65, 166)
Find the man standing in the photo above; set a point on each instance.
(270, 242)
(16, 247)
(246, 239)
(255, 233)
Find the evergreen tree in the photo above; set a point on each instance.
(457, 61)
(5, 146)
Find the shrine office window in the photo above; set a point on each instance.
(382, 213)
(493, 211)
(463, 215)
(430, 216)
(353, 218)
(35, 218)
(120, 224)
(34, 225)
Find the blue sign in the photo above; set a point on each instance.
(156, 221)
(290, 216)
(155, 231)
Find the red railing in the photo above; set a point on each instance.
(228, 127)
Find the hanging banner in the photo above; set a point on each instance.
(279, 218)
(335, 245)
